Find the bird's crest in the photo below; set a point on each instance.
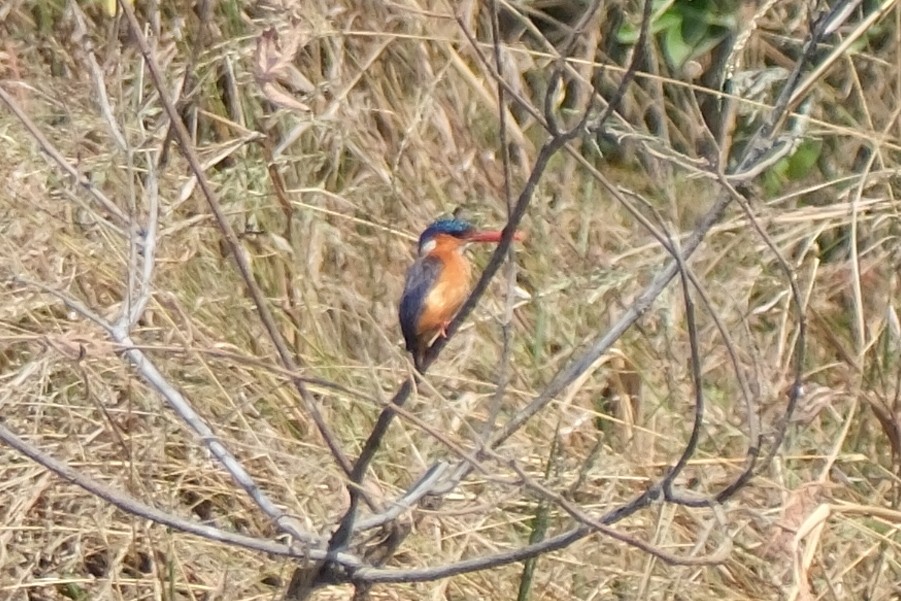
(451, 226)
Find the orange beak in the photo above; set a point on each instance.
(491, 236)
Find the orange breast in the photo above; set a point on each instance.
(449, 292)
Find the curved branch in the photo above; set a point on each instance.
(137, 508)
(183, 408)
(691, 446)
(231, 239)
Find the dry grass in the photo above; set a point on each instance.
(402, 127)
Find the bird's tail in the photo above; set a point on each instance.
(419, 356)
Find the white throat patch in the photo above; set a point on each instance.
(427, 247)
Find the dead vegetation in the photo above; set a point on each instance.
(329, 135)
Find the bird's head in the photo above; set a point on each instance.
(455, 233)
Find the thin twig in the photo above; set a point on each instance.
(418, 490)
(629, 75)
(799, 351)
(144, 243)
(345, 528)
(149, 372)
(763, 138)
(80, 35)
(691, 445)
(547, 151)
(475, 564)
(601, 344)
(232, 241)
(601, 525)
(373, 442)
(503, 369)
(642, 303)
(134, 507)
(51, 151)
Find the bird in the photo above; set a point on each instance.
(438, 282)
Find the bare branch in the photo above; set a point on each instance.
(627, 78)
(503, 370)
(643, 302)
(134, 507)
(799, 351)
(763, 140)
(600, 345)
(81, 36)
(231, 240)
(149, 372)
(474, 564)
(691, 446)
(143, 243)
(417, 491)
(51, 151)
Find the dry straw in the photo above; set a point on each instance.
(683, 385)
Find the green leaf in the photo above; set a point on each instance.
(694, 31)
(628, 33)
(803, 159)
(774, 179)
(675, 47)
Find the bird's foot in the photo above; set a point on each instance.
(442, 331)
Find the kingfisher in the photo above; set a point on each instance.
(438, 282)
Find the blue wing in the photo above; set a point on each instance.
(421, 278)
